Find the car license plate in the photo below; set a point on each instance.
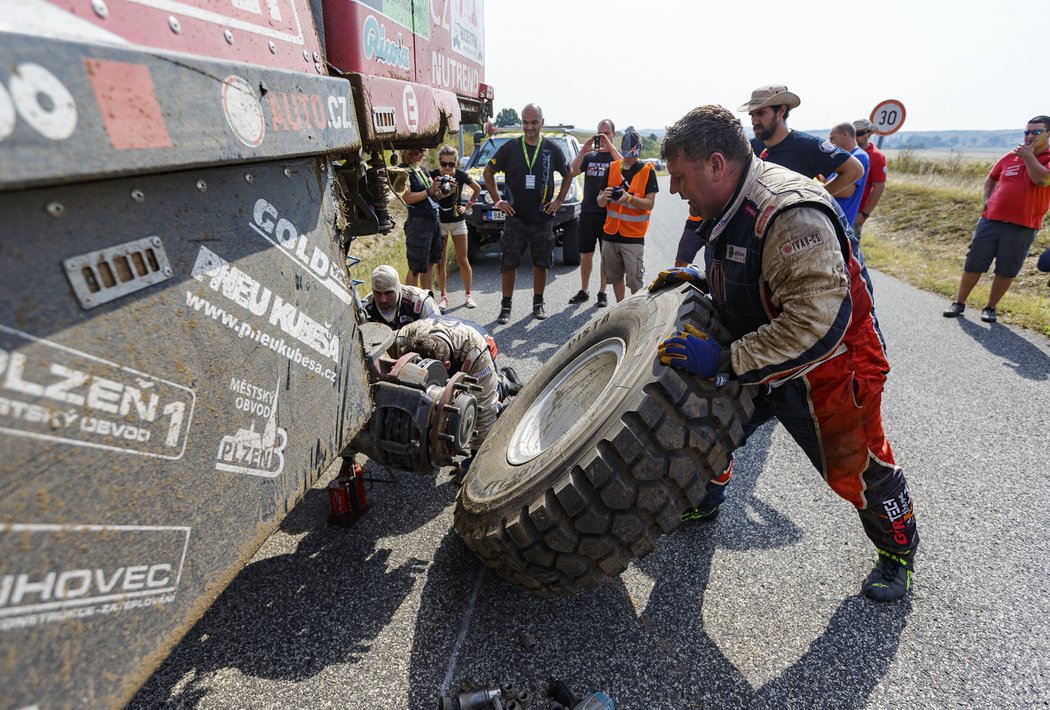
(497, 216)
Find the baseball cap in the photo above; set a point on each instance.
(770, 95)
(631, 144)
(863, 124)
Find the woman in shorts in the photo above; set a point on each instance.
(450, 181)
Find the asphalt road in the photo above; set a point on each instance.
(760, 609)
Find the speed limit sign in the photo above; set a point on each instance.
(888, 117)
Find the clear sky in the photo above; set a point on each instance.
(954, 65)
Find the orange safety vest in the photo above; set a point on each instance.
(624, 219)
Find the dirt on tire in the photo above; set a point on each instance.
(599, 455)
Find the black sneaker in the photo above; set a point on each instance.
(700, 514)
(538, 312)
(512, 383)
(504, 314)
(890, 579)
(955, 310)
(602, 301)
(580, 297)
(988, 315)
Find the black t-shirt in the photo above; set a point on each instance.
(448, 206)
(595, 169)
(418, 181)
(804, 153)
(548, 159)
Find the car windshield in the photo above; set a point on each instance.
(492, 145)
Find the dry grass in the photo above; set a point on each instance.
(920, 233)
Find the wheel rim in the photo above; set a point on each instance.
(565, 401)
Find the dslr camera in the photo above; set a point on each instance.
(617, 193)
(445, 184)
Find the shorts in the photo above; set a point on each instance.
(422, 244)
(518, 236)
(456, 229)
(689, 244)
(1044, 261)
(592, 227)
(1007, 243)
(624, 262)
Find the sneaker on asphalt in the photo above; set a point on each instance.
(955, 310)
(443, 303)
(470, 302)
(504, 314)
(602, 301)
(580, 297)
(988, 315)
(700, 514)
(538, 312)
(890, 579)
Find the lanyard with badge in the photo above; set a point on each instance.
(530, 179)
(427, 182)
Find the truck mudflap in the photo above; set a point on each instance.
(179, 362)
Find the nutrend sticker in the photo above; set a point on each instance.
(55, 573)
(51, 392)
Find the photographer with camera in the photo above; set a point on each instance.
(593, 161)
(628, 198)
(452, 221)
(422, 237)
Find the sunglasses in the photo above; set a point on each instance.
(1036, 132)
(863, 133)
(448, 165)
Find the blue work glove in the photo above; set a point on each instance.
(677, 275)
(692, 350)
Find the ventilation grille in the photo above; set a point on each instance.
(102, 276)
(383, 120)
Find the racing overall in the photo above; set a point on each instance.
(413, 304)
(787, 284)
(472, 353)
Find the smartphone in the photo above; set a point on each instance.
(597, 141)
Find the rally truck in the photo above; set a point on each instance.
(183, 351)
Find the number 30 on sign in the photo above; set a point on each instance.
(888, 117)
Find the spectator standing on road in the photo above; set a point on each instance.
(877, 171)
(452, 221)
(802, 152)
(628, 199)
(1016, 197)
(593, 161)
(528, 167)
(422, 234)
(845, 136)
(786, 284)
(394, 304)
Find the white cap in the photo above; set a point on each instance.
(385, 278)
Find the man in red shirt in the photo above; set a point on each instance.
(1016, 196)
(877, 171)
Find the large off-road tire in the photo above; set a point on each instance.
(570, 243)
(601, 452)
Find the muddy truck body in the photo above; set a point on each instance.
(182, 350)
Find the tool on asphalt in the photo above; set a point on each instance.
(484, 699)
(346, 495)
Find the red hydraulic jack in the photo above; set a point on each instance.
(346, 495)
